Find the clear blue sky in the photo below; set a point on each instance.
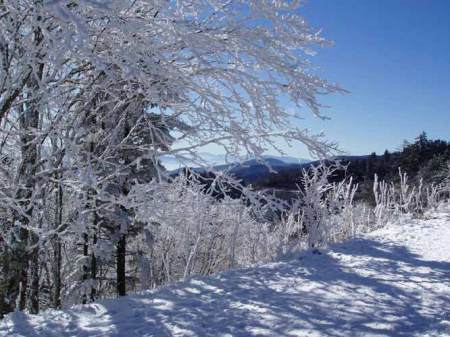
(394, 58)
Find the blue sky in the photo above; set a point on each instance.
(394, 58)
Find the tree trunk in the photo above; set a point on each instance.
(121, 252)
(34, 293)
(57, 250)
(23, 269)
(29, 124)
(57, 274)
(94, 264)
(85, 267)
(5, 305)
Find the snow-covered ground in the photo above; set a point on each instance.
(392, 282)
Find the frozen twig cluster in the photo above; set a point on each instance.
(393, 200)
(325, 205)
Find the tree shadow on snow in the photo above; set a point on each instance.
(390, 296)
(385, 291)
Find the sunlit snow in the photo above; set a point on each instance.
(392, 282)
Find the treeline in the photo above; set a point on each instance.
(424, 159)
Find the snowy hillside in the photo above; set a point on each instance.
(392, 282)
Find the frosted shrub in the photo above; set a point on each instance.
(256, 243)
(393, 201)
(434, 194)
(407, 194)
(290, 232)
(342, 225)
(384, 202)
(314, 187)
(363, 218)
(194, 233)
(325, 209)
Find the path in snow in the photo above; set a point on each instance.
(392, 282)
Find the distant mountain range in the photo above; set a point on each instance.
(274, 171)
(424, 159)
(222, 162)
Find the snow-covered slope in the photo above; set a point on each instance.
(392, 282)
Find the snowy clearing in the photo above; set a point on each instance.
(392, 282)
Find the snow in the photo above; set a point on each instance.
(392, 282)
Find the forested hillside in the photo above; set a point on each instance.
(423, 158)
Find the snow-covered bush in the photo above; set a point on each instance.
(290, 231)
(326, 212)
(393, 201)
(188, 230)
(407, 197)
(434, 194)
(364, 218)
(322, 214)
(384, 195)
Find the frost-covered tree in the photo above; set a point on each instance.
(93, 93)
